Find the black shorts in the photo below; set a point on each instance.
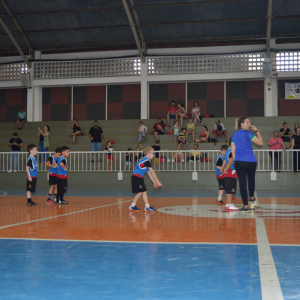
(62, 185)
(138, 184)
(160, 132)
(221, 184)
(31, 185)
(181, 142)
(52, 180)
(230, 185)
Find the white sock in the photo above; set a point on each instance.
(147, 205)
(132, 205)
(219, 198)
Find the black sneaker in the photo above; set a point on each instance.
(92, 161)
(31, 203)
(245, 210)
(62, 202)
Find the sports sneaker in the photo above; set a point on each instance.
(31, 203)
(151, 209)
(182, 160)
(15, 171)
(245, 209)
(231, 207)
(220, 202)
(62, 202)
(173, 160)
(134, 208)
(9, 171)
(50, 201)
(191, 161)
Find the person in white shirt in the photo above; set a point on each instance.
(220, 129)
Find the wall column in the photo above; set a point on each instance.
(271, 95)
(144, 91)
(38, 104)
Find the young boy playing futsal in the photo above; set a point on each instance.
(62, 175)
(219, 174)
(137, 180)
(230, 179)
(32, 172)
(52, 164)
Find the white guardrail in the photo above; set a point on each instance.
(168, 161)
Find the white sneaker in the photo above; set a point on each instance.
(182, 160)
(9, 171)
(15, 171)
(173, 160)
(231, 207)
(191, 161)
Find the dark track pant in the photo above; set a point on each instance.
(244, 170)
(296, 158)
(277, 159)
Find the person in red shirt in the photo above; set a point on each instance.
(172, 112)
(158, 128)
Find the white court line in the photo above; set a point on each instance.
(67, 214)
(270, 286)
(4, 194)
(126, 242)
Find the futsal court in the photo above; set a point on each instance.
(95, 248)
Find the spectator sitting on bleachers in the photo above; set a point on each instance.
(16, 144)
(296, 126)
(285, 132)
(182, 138)
(76, 130)
(194, 153)
(204, 136)
(182, 113)
(158, 128)
(172, 112)
(196, 113)
(139, 155)
(275, 143)
(21, 118)
(178, 156)
(220, 129)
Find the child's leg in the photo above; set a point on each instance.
(228, 198)
(136, 198)
(74, 137)
(145, 198)
(55, 189)
(28, 195)
(193, 134)
(51, 189)
(220, 195)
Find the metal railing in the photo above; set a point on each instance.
(167, 161)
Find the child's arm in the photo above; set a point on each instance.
(28, 173)
(230, 162)
(63, 166)
(48, 164)
(153, 177)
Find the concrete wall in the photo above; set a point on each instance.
(170, 180)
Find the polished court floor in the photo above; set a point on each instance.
(95, 248)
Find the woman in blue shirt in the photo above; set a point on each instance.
(243, 156)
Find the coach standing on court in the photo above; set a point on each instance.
(244, 158)
(96, 135)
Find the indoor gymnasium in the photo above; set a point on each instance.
(150, 149)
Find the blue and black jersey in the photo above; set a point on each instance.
(62, 173)
(142, 167)
(33, 167)
(52, 171)
(219, 163)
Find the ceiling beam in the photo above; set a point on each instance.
(156, 24)
(135, 34)
(121, 7)
(18, 27)
(139, 29)
(15, 43)
(268, 35)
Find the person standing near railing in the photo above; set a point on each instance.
(96, 135)
(244, 158)
(16, 144)
(275, 143)
(295, 143)
(44, 142)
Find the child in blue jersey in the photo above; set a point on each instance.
(62, 175)
(230, 179)
(219, 174)
(32, 172)
(137, 180)
(52, 164)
